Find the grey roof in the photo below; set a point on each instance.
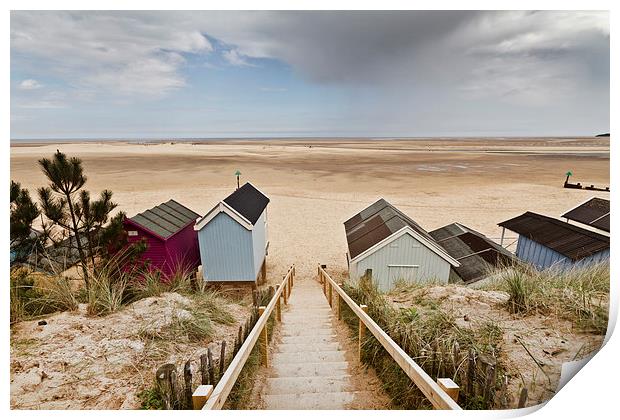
(248, 201)
(594, 212)
(375, 223)
(165, 219)
(476, 253)
(569, 240)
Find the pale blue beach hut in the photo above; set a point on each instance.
(233, 237)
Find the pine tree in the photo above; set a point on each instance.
(23, 213)
(70, 210)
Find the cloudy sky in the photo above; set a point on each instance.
(244, 74)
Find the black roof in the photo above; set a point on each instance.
(248, 202)
(594, 212)
(375, 223)
(476, 253)
(569, 240)
(165, 219)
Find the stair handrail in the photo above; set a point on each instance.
(217, 396)
(431, 389)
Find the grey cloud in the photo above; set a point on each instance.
(424, 67)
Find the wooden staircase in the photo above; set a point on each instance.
(309, 368)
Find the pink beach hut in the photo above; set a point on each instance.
(172, 242)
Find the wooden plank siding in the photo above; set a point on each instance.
(403, 252)
(166, 255)
(226, 250)
(259, 242)
(543, 257)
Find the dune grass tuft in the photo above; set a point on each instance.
(430, 335)
(578, 294)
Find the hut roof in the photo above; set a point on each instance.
(594, 212)
(472, 249)
(166, 219)
(379, 221)
(248, 201)
(569, 240)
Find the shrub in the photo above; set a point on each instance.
(108, 290)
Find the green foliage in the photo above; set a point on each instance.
(28, 301)
(108, 291)
(71, 214)
(212, 304)
(151, 399)
(23, 213)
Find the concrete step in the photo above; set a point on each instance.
(307, 385)
(289, 318)
(308, 339)
(309, 357)
(308, 347)
(315, 401)
(309, 369)
(302, 310)
(313, 332)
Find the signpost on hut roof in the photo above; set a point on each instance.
(238, 173)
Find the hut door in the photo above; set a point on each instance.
(407, 273)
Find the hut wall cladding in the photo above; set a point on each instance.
(226, 250)
(405, 250)
(543, 257)
(166, 255)
(259, 242)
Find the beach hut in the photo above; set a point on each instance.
(384, 240)
(477, 254)
(233, 237)
(593, 213)
(171, 242)
(548, 242)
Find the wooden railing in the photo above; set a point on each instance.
(206, 397)
(443, 394)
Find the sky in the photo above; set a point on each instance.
(205, 74)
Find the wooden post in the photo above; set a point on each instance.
(201, 395)
(329, 297)
(339, 303)
(166, 378)
(222, 358)
(284, 292)
(489, 385)
(523, 398)
(456, 355)
(471, 373)
(278, 310)
(361, 332)
(263, 339)
(204, 372)
(211, 367)
(290, 286)
(324, 281)
(187, 377)
(451, 388)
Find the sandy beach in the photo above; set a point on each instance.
(315, 185)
